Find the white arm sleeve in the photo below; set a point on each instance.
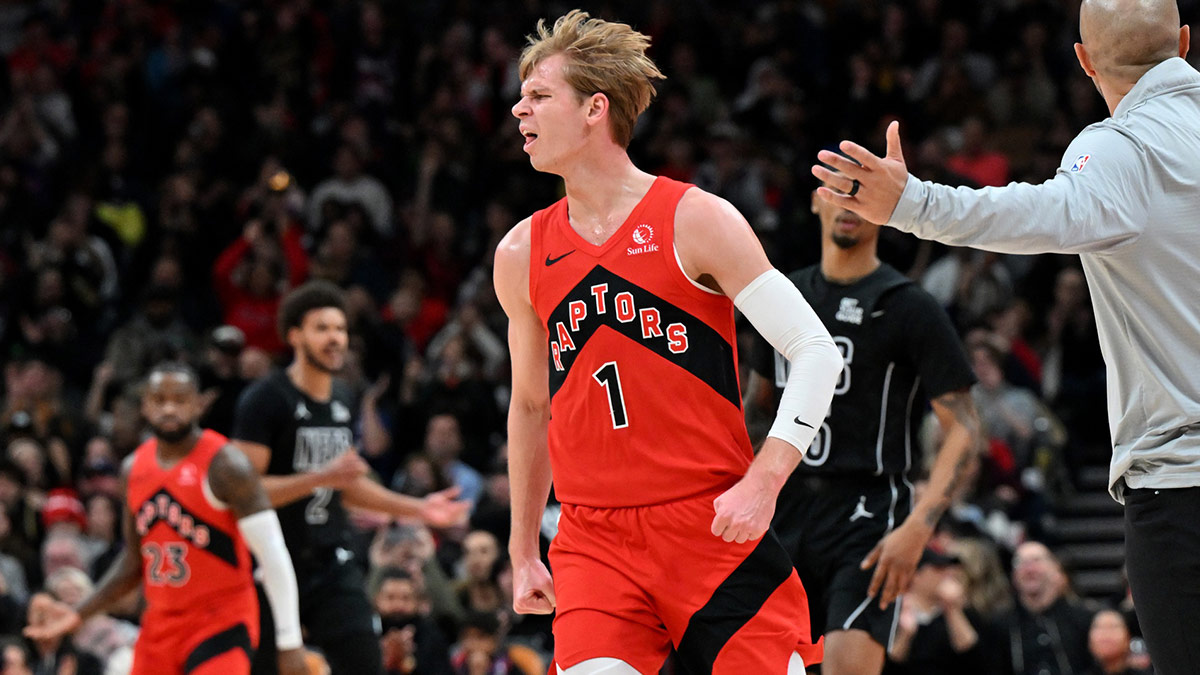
(265, 539)
(780, 314)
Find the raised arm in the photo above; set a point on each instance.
(1096, 201)
(718, 249)
(528, 421)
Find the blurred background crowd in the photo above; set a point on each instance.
(170, 168)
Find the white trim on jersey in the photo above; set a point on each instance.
(908, 425)
(697, 284)
(895, 500)
(887, 384)
(211, 498)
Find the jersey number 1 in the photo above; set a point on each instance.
(610, 378)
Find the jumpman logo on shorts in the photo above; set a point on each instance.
(860, 510)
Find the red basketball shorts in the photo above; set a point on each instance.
(632, 582)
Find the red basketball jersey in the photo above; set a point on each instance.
(645, 404)
(192, 553)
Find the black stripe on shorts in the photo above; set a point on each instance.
(237, 637)
(733, 604)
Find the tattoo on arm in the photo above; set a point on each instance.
(962, 408)
(234, 481)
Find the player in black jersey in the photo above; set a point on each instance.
(847, 506)
(297, 428)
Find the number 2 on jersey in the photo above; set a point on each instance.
(610, 378)
(317, 510)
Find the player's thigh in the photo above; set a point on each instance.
(338, 608)
(750, 617)
(265, 661)
(150, 658)
(852, 652)
(353, 653)
(601, 666)
(229, 650)
(598, 637)
(851, 607)
(233, 662)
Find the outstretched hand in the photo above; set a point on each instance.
(881, 180)
(54, 621)
(444, 509)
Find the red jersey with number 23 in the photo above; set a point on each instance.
(645, 405)
(192, 553)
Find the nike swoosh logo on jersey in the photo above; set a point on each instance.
(877, 314)
(802, 423)
(550, 261)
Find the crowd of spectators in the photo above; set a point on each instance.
(170, 168)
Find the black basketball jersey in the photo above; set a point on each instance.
(304, 435)
(899, 348)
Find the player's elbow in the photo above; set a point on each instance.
(827, 358)
(532, 408)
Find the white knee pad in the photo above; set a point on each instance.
(606, 666)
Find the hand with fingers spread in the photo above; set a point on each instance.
(864, 183)
(895, 560)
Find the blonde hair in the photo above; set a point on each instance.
(600, 57)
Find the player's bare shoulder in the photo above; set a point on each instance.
(712, 235)
(511, 270)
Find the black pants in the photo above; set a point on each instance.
(1162, 553)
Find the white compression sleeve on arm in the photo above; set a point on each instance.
(265, 539)
(778, 311)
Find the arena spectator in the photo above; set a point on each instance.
(410, 640)
(1047, 630)
(1110, 647)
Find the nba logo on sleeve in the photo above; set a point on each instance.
(1080, 162)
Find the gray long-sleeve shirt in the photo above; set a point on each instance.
(1127, 200)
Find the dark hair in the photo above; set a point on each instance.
(304, 299)
(174, 368)
(393, 574)
(9, 468)
(485, 622)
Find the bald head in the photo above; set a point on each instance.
(1126, 38)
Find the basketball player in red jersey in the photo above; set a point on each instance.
(625, 389)
(194, 505)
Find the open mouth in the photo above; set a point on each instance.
(530, 137)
